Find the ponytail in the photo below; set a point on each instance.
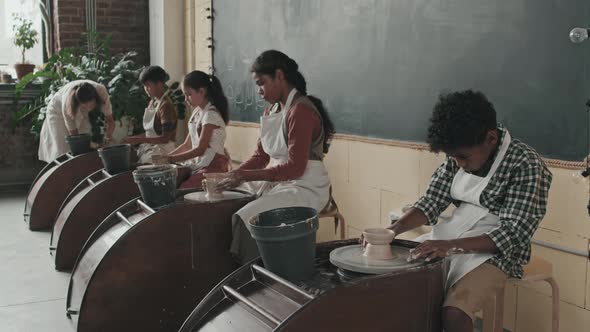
(198, 79)
(216, 94)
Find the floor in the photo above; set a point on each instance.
(32, 293)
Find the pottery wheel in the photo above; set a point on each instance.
(351, 258)
(201, 196)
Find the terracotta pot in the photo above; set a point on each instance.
(6, 78)
(22, 69)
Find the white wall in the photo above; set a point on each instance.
(167, 36)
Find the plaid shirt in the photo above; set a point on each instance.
(517, 193)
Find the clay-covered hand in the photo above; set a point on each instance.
(233, 179)
(432, 249)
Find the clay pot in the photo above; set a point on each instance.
(378, 243)
(210, 184)
(22, 69)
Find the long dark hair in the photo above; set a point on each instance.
(269, 61)
(82, 93)
(198, 79)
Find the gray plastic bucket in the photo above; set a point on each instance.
(157, 184)
(286, 241)
(79, 144)
(116, 158)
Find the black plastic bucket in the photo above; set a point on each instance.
(286, 241)
(79, 144)
(157, 184)
(116, 158)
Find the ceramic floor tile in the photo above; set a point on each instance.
(48, 316)
(32, 293)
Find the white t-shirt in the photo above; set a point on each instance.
(202, 117)
(209, 115)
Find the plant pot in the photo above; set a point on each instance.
(22, 69)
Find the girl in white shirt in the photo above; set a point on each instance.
(203, 149)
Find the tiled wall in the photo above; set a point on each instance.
(371, 179)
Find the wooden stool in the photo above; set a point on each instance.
(537, 269)
(331, 211)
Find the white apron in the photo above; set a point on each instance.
(312, 189)
(469, 219)
(193, 124)
(52, 139)
(146, 150)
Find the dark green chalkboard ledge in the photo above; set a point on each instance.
(555, 163)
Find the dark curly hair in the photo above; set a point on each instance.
(460, 119)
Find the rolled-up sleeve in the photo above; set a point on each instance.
(523, 209)
(438, 195)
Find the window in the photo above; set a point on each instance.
(11, 54)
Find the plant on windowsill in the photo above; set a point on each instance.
(25, 38)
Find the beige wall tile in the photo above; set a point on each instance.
(352, 232)
(567, 211)
(241, 142)
(534, 314)
(384, 167)
(510, 296)
(326, 231)
(573, 318)
(337, 161)
(428, 163)
(391, 201)
(569, 272)
(533, 311)
(359, 205)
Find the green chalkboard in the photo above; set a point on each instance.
(379, 65)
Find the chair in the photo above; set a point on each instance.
(537, 269)
(331, 211)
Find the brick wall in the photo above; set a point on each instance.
(126, 20)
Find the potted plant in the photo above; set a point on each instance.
(25, 37)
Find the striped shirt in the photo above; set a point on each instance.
(517, 193)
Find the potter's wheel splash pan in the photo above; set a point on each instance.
(351, 258)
